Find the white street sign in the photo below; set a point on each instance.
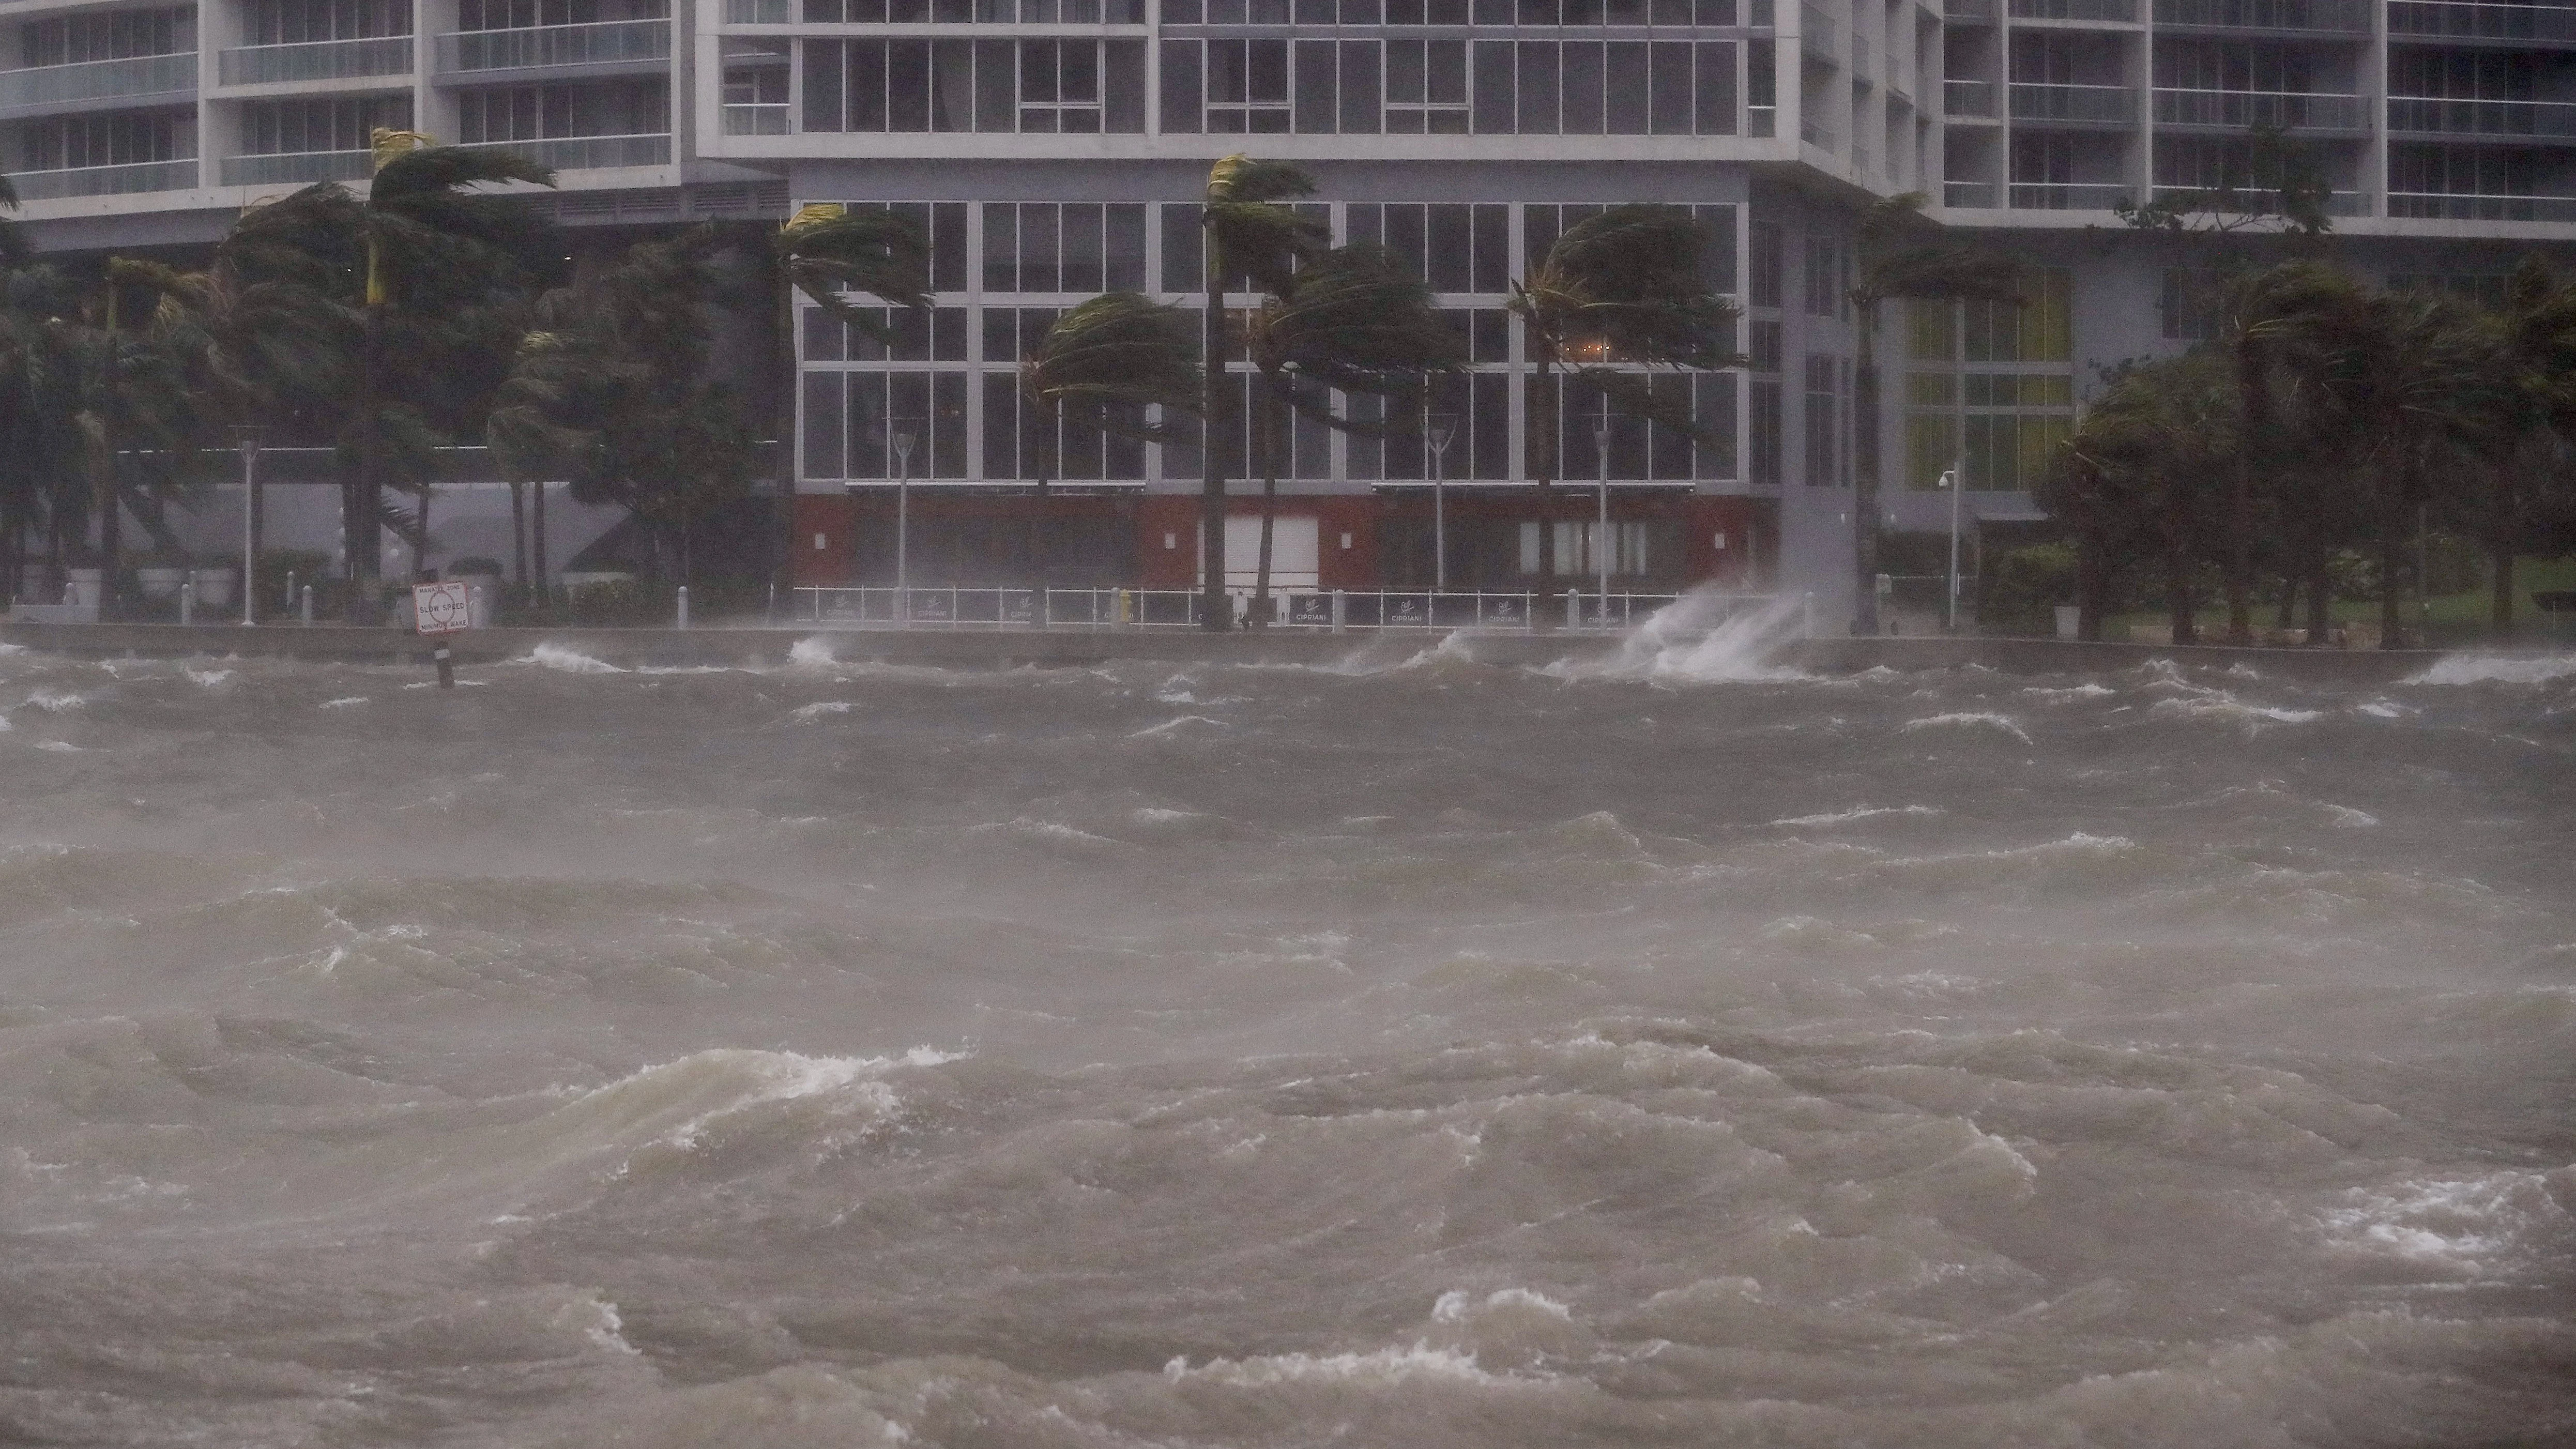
(441, 608)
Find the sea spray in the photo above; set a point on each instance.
(1703, 637)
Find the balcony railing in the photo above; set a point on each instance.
(2067, 195)
(2450, 206)
(2079, 105)
(95, 80)
(2460, 20)
(1816, 133)
(2281, 110)
(600, 43)
(1969, 98)
(582, 153)
(755, 119)
(2116, 12)
(1969, 12)
(2316, 17)
(2338, 203)
(297, 167)
(2426, 116)
(759, 12)
(106, 180)
(316, 60)
(1967, 193)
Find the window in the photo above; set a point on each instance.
(1080, 247)
(1478, 408)
(902, 334)
(112, 138)
(1426, 87)
(1991, 388)
(978, 12)
(1764, 284)
(1763, 425)
(338, 123)
(106, 35)
(1523, 14)
(1827, 277)
(1247, 87)
(1577, 544)
(2232, 65)
(1454, 248)
(1824, 421)
(2422, 169)
(885, 424)
(638, 107)
(293, 22)
(1543, 223)
(519, 14)
(2186, 306)
(1036, 86)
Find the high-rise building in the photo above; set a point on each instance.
(1054, 148)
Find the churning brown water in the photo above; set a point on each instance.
(1422, 1055)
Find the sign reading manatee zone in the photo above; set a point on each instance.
(441, 608)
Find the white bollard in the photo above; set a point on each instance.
(1574, 608)
(188, 598)
(1341, 611)
(684, 606)
(308, 603)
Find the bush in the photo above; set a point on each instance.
(2025, 585)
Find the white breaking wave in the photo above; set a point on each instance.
(52, 702)
(1376, 1369)
(808, 713)
(1966, 719)
(344, 701)
(1857, 812)
(2498, 669)
(2086, 690)
(2224, 709)
(2474, 1226)
(1694, 640)
(1175, 726)
(567, 659)
(811, 652)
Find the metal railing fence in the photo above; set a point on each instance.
(1334, 610)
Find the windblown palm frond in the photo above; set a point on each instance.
(1118, 353)
(828, 255)
(1352, 320)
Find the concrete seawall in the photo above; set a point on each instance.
(999, 648)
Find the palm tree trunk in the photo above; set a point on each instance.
(1268, 441)
(537, 543)
(365, 524)
(1865, 480)
(519, 532)
(1546, 419)
(1216, 615)
(2392, 552)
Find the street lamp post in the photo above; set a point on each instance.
(903, 440)
(1950, 480)
(248, 434)
(1443, 428)
(1601, 539)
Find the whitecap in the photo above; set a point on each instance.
(2086, 690)
(1379, 1368)
(808, 713)
(1175, 726)
(2459, 1225)
(571, 661)
(1857, 812)
(2497, 669)
(52, 702)
(210, 677)
(2344, 817)
(2224, 709)
(811, 652)
(63, 747)
(344, 702)
(1962, 719)
(1699, 638)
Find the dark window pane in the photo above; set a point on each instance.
(1316, 109)
(949, 263)
(1001, 426)
(826, 339)
(1582, 88)
(823, 426)
(1001, 334)
(867, 425)
(1038, 268)
(948, 334)
(1124, 111)
(1403, 72)
(1491, 431)
(1493, 249)
(1625, 88)
(993, 104)
(1716, 97)
(1181, 102)
(1183, 268)
(1450, 251)
(823, 86)
(1672, 79)
(1537, 112)
(1082, 247)
(1126, 248)
(1360, 105)
(1365, 224)
(908, 85)
(1404, 237)
(1001, 247)
(1494, 87)
(1266, 71)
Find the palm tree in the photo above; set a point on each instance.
(426, 242)
(2535, 343)
(1896, 258)
(1349, 320)
(1617, 291)
(1247, 235)
(1109, 359)
(2137, 474)
(829, 253)
(2270, 314)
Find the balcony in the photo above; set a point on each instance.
(2452, 206)
(585, 153)
(106, 180)
(2338, 203)
(2067, 195)
(1816, 133)
(605, 43)
(2074, 105)
(2281, 110)
(251, 65)
(1974, 99)
(1969, 12)
(1816, 33)
(2507, 120)
(48, 87)
(2458, 20)
(1967, 193)
(756, 119)
(759, 12)
(297, 168)
(2308, 17)
(2097, 12)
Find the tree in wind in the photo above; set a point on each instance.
(1103, 365)
(1900, 256)
(1249, 236)
(426, 248)
(831, 253)
(1349, 321)
(1617, 292)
